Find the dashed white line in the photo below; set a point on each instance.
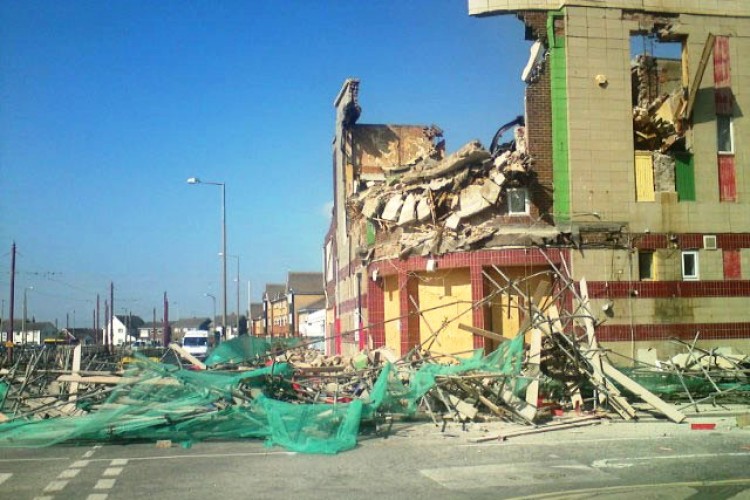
(44, 498)
(104, 484)
(112, 471)
(97, 496)
(119, 461)
(4, 477)
(68, 473)
(79, 463)
(55, 486)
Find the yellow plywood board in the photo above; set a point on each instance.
(644, 176)
(445, 301)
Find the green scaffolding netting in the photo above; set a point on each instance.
(162, 402)
(247, 348)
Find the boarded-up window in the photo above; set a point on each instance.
(727, 183)
(685, 177)
(732, 265)
(644, 176)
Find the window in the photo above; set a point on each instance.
(690, 265)
(518, 201)
(646, 265)
(725, 134)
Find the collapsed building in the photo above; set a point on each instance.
(625, 170)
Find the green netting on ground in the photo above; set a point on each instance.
(238, 350)
(672, 385)
(247, 348)
(162, 402)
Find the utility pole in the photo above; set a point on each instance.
(105, 342)
(96, 321)
(12, 290)
(167, 333)
(112, 317)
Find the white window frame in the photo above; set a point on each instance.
(696, 274)
(527, 201)
(731, 134)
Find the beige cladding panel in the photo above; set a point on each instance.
(601, 157)
(665, 350)
(603, 265)
(706, 7)
(600, 115)
(745, 263)
(674, 310)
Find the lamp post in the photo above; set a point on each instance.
(23, 327)
(195, 180)
(213, 298)
(237, 319)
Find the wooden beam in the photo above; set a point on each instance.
(484, 333)
(708, 49)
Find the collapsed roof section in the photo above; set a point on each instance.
(406, 196)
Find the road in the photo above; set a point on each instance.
(616, 460)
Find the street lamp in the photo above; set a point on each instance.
(213, 319)
(23, 327)
(237, 319)
(195, 180)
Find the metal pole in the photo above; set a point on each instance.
(23, 326)
(12, 291)
(238, 295)
(224, 255)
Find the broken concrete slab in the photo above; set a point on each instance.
(392, 207)
(408, 210)
(472, 201)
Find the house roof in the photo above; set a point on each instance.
(256, 310)
(274, 290)
(130, 319)
(305, 283)
(190, 322)
(30, 325)
(315, 306)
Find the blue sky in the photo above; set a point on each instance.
(108, 107)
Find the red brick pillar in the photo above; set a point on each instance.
(477, 294)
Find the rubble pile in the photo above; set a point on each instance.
(658, 117)
(440, 206)
(303, 400)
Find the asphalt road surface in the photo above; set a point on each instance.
(618, 460)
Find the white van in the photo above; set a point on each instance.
(196, 343)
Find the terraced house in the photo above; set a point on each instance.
(628, 168)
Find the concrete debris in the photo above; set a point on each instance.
(444, 201)
(658, 115)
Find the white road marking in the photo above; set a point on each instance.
(97, 496)
(5, 476)
(55, 486)
(44, 498)
(512, 475)
(557, 443)
(14, 460)
(112, 471)
(613, 491)
(79, 463)
(68, 473)
(119, 461)
(105, 484)
(621, 463)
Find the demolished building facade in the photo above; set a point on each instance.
(627, 170)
